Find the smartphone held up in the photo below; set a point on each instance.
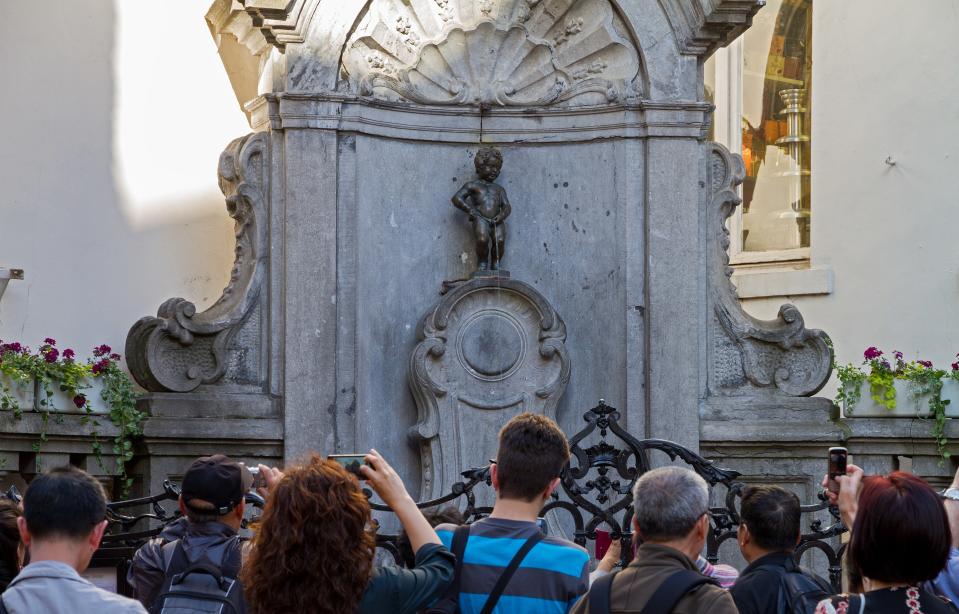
(837, 467)
(350, 462)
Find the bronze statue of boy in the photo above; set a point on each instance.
(487, 207)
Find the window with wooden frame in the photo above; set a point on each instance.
(761, 86)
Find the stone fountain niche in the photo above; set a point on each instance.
(353, 317)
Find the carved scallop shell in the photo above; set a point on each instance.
(502, 52)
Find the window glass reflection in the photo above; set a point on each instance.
(776, 72)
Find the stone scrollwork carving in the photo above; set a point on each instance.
(180, 349)
(780, 353)
(492, 52)
(491, 348)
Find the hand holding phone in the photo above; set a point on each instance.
(258, 480)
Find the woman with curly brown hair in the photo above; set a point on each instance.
(313, 547)
(11, 548)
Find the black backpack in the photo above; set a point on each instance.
(202, 587)
(801, 590)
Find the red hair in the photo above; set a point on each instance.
(312, 550)
(901, 533)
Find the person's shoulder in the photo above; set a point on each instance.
(113, 602)
(573, 553)
(560, 542)
(714, 600)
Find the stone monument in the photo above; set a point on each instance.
(361, 111)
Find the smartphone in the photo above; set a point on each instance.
(541, 523)
(603, 542)
(837, 467)
(258, 480)
(350, 462)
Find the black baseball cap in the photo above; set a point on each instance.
(218, 480)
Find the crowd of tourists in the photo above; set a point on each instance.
(314, 550)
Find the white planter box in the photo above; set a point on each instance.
(22, 392)
(907, 404)
(61, 401)
(950, 391)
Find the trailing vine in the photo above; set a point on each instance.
(48, 370)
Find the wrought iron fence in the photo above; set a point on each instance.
(596, 490)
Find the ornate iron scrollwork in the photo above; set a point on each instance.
(596, 489)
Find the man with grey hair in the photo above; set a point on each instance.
(671, 519)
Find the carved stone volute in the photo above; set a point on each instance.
(748, 352)
(180, 349)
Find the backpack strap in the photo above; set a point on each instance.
(449, 602)
(458, 547)
(175, 563)
(504, 579)
(601, 594)
(175, 557)
(673, 589)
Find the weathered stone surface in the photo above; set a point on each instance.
(180, 349)
(747, 353)
(500, 52)
(493, 347)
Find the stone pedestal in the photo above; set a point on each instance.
(491, 348)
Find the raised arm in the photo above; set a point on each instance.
(388, 485)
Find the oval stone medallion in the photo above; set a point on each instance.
(491, 344)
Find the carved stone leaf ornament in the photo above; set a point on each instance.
(779, 353)
(496, 52)
(491, 348)
(180, 349)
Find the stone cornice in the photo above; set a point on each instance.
(702, 26)
(642, 119)
(281, 22)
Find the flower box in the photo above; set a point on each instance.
(18, 393)
(950, 392)
(62, 401)
(908, 403)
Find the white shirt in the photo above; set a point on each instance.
(53, 587)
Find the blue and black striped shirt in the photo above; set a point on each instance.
(550, 579)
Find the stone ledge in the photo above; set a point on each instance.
(252, 429)
(59, 425)
(768, 282)
(218, 405)
(642, 119)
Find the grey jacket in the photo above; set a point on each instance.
(52, 587)
(211, 540)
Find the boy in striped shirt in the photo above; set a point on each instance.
(555, 572)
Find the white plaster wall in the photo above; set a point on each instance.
(115, 113)
(885, 83)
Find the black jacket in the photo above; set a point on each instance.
(398, 590)
(757, 591)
